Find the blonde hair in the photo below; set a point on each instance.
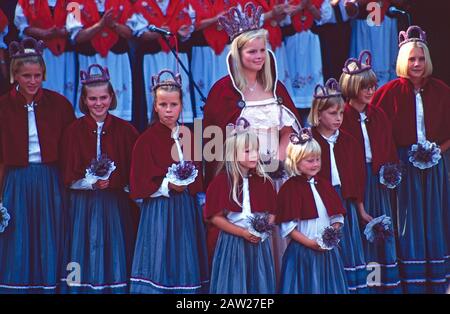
(16, 63)
(167, 87)
(82, 104)
(264, 75)
(403, 58)
(322, 104)
(234, 144)
(351, 84)
(297, 152)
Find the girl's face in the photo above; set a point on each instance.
(309, 166)
(253, 54)
(416, 63)
(365, 94)
(168, 107)
(98, 100)
(331, 119)
(248, 157)
(29, 76)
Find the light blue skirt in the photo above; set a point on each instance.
(241, 267)
(352, 250)
(30, 246)
(423, 227)
(306, 271)
(381, 255)
(170, 255)
(98, 242)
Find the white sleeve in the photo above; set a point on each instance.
(326, 13)
(3, 34)
(163, 189)
(81, 184)
(20, 20)
(138, 24)
(337, 218)
(73, 26)
(287, 227)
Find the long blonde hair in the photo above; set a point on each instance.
(264, 75)
(235, 143)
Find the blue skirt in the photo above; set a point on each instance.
(98, 242)
(306, 271)
(352, 250)
(380, 256)
(170, 255)
(30, 246)
(242, 267)
(423, 227)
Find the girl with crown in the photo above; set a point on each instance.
(417, 105)
(176, 17)
(343, 166)
(238, 199)
(99, 32)
(96, 159)
(251, 90)
(170, 254)
(372, 129)
(32, 121)
(308, 208)
(45, 20)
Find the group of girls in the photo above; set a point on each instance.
(64, 231)
(104, 31)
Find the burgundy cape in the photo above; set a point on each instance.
(53, 114)
(380, 134)
(398, 100)
(151, 158)
(222, 107)
(296, 200)
(349, 157)
(80, 147)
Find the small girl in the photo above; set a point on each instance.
(307, 205)
(240, 194)
(170, 254)
(99, 233)
(372, 129)
(342, 165)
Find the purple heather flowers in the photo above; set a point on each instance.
(260, 225)
(424, 155)
(330, 238)
(4, 218)
(390, 175)
(378, 229)
(182, 173)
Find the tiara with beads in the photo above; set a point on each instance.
(363, 63)
(330, 89)
(157, 82)
(236, 22)
(28, 47)
(406, 37)
(87, 77)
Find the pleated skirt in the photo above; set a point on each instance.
(170, 254)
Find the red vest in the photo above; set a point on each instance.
(304, 20)
(177, 16)
(104, 40)
(39, 15)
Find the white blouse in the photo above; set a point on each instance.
(242, 219)
(335, 178)
(420, 121)
(367, 148)
(34, 149)
(312, 228)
